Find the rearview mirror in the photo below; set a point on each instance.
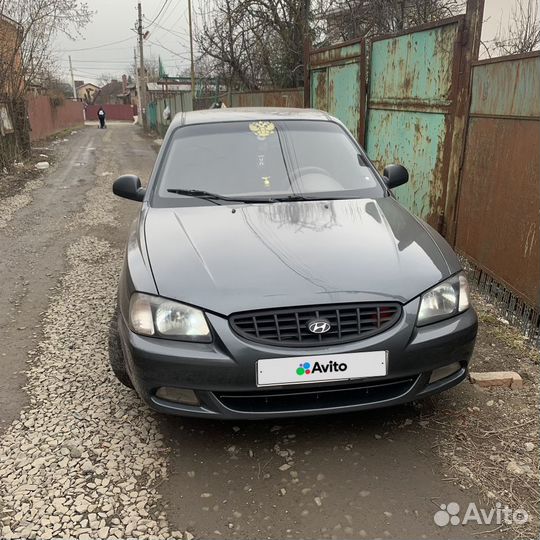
(395, 175)
(129, 187)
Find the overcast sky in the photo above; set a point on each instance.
(113, 26)
(114, 22)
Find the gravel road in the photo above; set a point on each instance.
(82, 457)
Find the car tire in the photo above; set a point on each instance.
(116, 356)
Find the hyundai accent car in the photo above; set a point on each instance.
(271, 272)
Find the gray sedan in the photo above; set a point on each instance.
(271, 272)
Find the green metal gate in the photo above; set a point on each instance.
(337, 84)
(152, 115)
(417, 110)
(410, 105)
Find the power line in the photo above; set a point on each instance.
(98, 61)
(97, 46)
(173, 32)
(103, 50)
(162, 19)
(178, 34)
(158, 44)
(182, 34)
(83, 74)
(165, 14)
(159, 13)
(107, 68)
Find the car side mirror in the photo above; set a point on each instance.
(395, 175)
(129, 186)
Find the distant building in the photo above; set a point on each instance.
(160, 89)
(11, 77)
(86, 92)
(180, 85)
(114, 93)
(133, 94)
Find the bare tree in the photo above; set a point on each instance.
(360, 18)
(27, 32)
(39, 21)
(260, 43)
(523, 32)
(105, 78)
(227, 36)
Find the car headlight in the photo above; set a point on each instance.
(159, 317)
(444, 300)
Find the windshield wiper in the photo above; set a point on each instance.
(213, 197)
(288, 198)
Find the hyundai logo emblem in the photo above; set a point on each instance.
(320, 326)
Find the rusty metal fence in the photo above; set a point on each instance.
(469, 133)
(287, 97)
(498, 217)
(412, 92)
(416, 106)
(337, 84)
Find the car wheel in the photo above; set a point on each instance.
(116, 356)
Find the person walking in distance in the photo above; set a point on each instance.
(101, 117)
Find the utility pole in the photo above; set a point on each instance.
(72, 79)
(306, 37)
(191, 54)
(142, 71)
(138, 86)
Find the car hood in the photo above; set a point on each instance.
(234, 258)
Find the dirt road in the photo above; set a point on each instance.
(82, 457)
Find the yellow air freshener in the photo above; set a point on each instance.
(262, 129)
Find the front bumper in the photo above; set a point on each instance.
(222, 373)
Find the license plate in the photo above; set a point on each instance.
(328, 367)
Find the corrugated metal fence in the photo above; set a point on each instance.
(469, 133)
(179, 102)
(499, 198)
(337, 84)
(410, 114)
(290, 97)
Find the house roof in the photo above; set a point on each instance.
(77, 86)
(155, 87)
(112, 89)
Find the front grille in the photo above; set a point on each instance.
(311, 398)
(288, 327)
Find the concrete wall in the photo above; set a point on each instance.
(47, 119)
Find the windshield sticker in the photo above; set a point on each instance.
(266, 182)
(262, 129)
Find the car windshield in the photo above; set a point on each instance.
(263, 159)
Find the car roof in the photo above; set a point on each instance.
(248, 114)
